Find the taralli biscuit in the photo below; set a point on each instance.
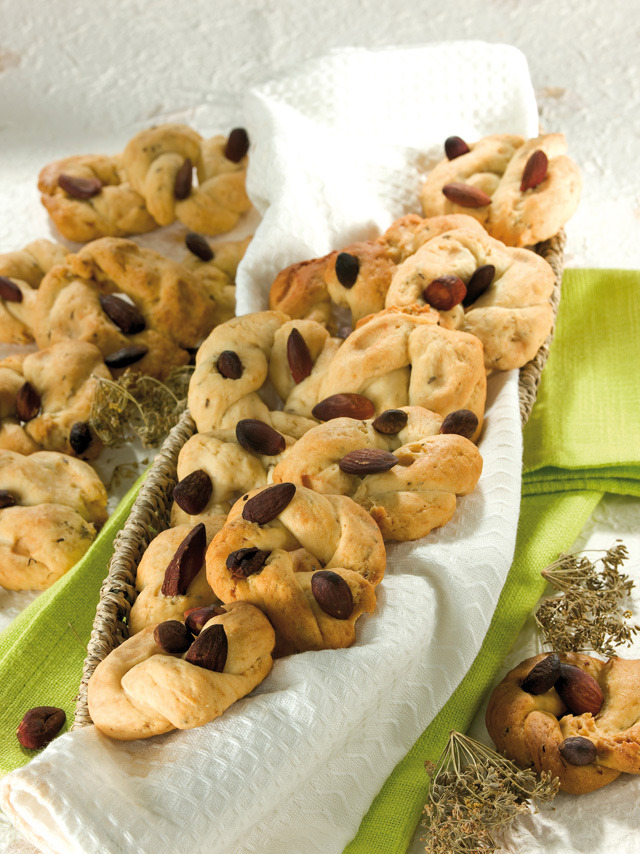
(233, 365)
(309, 561)
(356, 278)
(149, 184)
(171, 575)
(573, 715)
(90, 196)
(169, 309)
(216, 468)
(46, 399)
(216, 271)
(401, 357)
(400, 466)
(39, 544)
(521, 191)
(20, 275)
(141, 689)
(479, 285)
(49, 478)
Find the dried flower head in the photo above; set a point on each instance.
(588, 614)
(135, 404)
(475, 791)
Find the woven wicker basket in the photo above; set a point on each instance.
(150, 512)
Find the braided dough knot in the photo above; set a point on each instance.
(416, 495)
(139, 690)
(495, 165)
(312, 533)
(512, 317)
(158, 157)
(530, 728)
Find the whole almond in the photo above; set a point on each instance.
(578, 690)
(332, 593)
(466, 195)
(127, 356)
(445, 292)
(183, 180)
(79, 188)
(193, 492)
(39, 726)
(455, 146)
(298, 356)
(27, 402)
(543, 676)
(186, 563)
(344, 406)
(260, 438)
(80, 437)
(125, 315)
(209, 649)
(9, 291)
(347, 269)
(172, 636)
(7, 499)
(367, 461)
(229, 365)
(199, 246)
(197, 618)
(478, 283)
(245, 562)
(577, 750)
(535, 171)
(464, 422)
(269, 503)
(237, 145)
(390, 421)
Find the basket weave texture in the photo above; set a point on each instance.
(150, 512)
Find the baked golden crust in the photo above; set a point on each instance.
(495, 165)
(152, 606)
(39, 544)
(139, 690)
(512, 317)
(530, 728)
(401, 357)
(313, 532)
(407, 501)
(26, 269)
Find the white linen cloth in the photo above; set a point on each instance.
(338, 149)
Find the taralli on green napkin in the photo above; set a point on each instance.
(42, 651)
(581, 441)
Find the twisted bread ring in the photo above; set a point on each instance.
(313, 532)
(139, 690)
(410, 499)
(152, 606)
(114, 209)
(531, 728)
(25, 269)
(232, 366)
(401, 357)
(495, 166)
(512, 317)
(154, 161)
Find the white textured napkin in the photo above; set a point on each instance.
(338, 149)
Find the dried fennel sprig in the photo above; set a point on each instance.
(588, 614)
(135, 404)
(475, 791)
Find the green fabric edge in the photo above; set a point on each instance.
(56, 627)
(547, 526)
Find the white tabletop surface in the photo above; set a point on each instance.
(63, 65)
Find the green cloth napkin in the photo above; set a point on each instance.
(43, 649)
(581, 441)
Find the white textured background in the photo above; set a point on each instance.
(64, 65)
